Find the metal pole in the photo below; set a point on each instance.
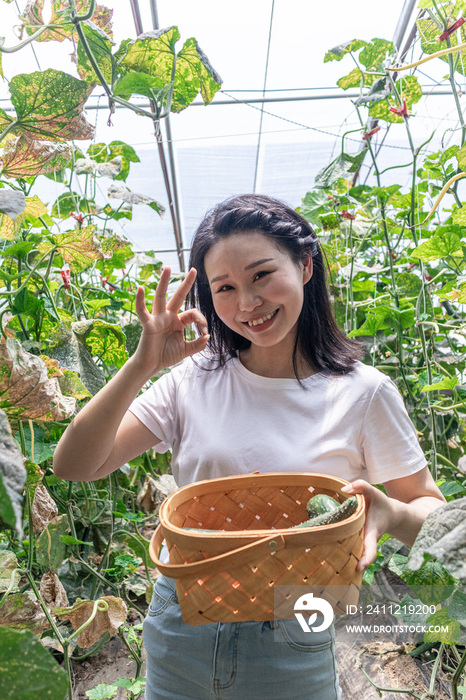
(163, 162)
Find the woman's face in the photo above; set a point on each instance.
(257, 289)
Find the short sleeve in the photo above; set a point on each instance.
(389, 441)
(156, 409)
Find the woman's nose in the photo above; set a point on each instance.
(249, 300)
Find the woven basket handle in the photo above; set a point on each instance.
(242, 555)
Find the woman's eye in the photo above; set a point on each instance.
(261, 274)
(225, 288)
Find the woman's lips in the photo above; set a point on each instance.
(261, 323)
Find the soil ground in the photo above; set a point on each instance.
(384, 661)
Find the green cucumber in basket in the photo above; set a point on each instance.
(343, 511)
(317, 505)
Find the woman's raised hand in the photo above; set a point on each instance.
(162, 343)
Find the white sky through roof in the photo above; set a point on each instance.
(215, 147)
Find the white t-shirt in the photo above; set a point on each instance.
(225, 421)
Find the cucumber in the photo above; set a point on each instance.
(341, 513)
(320, 504)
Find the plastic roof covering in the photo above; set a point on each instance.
(222, 150)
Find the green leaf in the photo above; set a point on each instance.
(430, 43)
(338, 52)
(102, 691)
(441, 245)
(50, 549)
(153, 53)
(344, 164)
(374, 54)
(457, 607)
(100, 45)
(459, 217)
(12, 478)
(445, 383)
(408, 283)
(68, 539)
(50, 105)
(314, 203)
(450, 635)
(43, 450)
(140, 84)
(79, 247)
(28, 670)
(432, 584)
(105, 340)
(193, 74)
(71, 385)
(409, 89)
(355, 79)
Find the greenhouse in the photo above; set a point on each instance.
(233, 391)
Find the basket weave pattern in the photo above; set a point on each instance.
(230, 576)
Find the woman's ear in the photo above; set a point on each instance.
(307, 268)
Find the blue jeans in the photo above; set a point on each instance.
(234, 661)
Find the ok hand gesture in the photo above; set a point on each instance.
(162, 343)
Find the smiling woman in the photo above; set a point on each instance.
(273, 386)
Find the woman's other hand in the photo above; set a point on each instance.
(162, 343)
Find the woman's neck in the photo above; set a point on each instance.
(272, 363)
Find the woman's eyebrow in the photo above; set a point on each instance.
(258, 262)
(248, 267)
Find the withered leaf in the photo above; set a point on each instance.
(26, 391)
(52, 591)
(44, 509)
(25, 156)
(104, 621)
(443, 536)
(12, 203)
(110, 168)
(115, 192)
(23, 611)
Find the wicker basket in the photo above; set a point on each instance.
(231, 576)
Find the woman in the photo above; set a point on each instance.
(279, 388)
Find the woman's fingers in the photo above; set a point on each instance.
(194, 316)
(179, 296)
(141, 309)
(159, 303)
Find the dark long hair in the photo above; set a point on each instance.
(319, 341)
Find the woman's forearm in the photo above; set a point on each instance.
(408, 517)
(89, 440)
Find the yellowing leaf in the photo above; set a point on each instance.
(26, 391)
(79, 247)
(10, 229)
(33, 18)
(50, 105)
(25, 156)
(104, 621)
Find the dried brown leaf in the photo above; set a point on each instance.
(25, 156)
(26, 391)
(44, 509)
(104, 621)
(52, 591)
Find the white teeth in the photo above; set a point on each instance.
(262, 320)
